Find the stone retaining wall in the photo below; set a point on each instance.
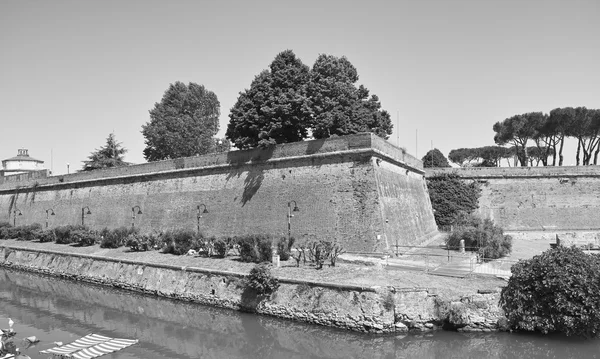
(361, 309)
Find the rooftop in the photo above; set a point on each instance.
(22, 155)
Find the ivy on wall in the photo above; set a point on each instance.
(452, 197)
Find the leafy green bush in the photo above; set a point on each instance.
(46, 236)
(255, 248)
(221, 247)
(261, 280)
(115, 238)
(451, 196)
(556, 291)
(180, 241)
(21, 233)
(284, 248)
(28, 232)
(4, 224)
(63, 233)
(140, 242)
(85, 237)
(482, 236)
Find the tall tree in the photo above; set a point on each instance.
(183, 123)
(338, 106)
(559, 121)
(516, 130)
(544, 137)
(109, 155)
(275, 107)
(434, 158)
(586, 128)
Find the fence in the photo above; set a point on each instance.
(431, 258)
(497, 267)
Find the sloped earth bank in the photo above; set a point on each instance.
(348, 296)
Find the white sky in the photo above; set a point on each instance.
(71, 72)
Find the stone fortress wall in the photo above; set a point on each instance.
(537, 199)
(359, 190)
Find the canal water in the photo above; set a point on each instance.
(58, 310)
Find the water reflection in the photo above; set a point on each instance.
(58, 310)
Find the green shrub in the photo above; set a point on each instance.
(84, 237)
(21, 233)
(180, 241)
(46, 236)
(4, 224)
(115, 238)
(284, 248)
(451, 196)
(261, 280)
(221, 247)
(140, 242)
(556, 291)
(63, 233)
(255, 248)
(28, 232)
(482, 236)
(318, 252)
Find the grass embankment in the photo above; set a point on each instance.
(342, 273)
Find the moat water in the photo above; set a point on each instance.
(58, 310)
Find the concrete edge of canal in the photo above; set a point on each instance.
(355, 308)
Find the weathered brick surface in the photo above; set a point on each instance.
(538, 198)
(346, 189)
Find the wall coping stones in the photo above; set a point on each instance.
(358, 144)
(517, 172)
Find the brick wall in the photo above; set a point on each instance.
(538, 198)
(346, 189)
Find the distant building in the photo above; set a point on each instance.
(21, 163)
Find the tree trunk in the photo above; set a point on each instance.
(554, 152)
(596, 153)
(578, 150)
(560, 155)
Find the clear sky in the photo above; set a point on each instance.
(71, 72)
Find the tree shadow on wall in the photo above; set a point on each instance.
(314, 146)
(254, 160)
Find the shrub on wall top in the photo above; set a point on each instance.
(556, 291)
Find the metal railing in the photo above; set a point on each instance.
(497, 267)
(429, 258)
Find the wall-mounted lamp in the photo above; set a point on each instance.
(15, 213)
(50, 212)
(83, 213)
(133, 214)
(289, 216)
(199, 215)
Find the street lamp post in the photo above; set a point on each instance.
(15, 212)
(49, 211)
(199, 215)
(83, 213)
(133, 214)
(289, 216)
